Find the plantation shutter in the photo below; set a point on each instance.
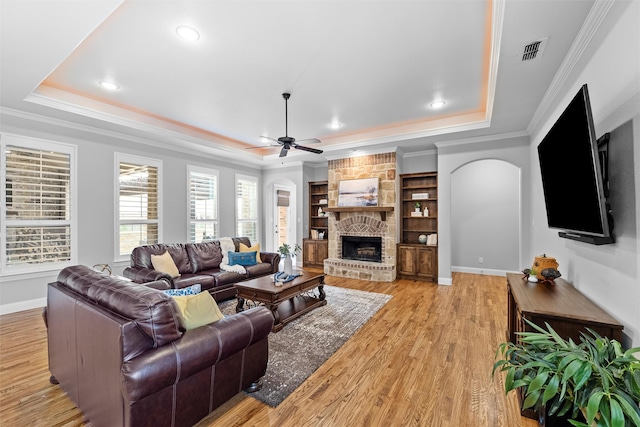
(203, 206)
(247, 208)
(138, 206)
(38, 206)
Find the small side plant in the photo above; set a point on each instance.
(596, 377)
(285, 249)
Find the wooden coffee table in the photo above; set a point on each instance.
(286, 301)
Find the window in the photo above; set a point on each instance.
(247, 207)
(203, 204)
(38, 212)
(139, 211)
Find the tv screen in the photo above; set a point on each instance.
(571, 174)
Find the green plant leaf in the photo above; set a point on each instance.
(632, 411)
(617, 417)
(572, 368)
(582, 376)
(578, 423)
(508, 381)
(593, 405)
(538, 381)
(551, 389)
(531, 399)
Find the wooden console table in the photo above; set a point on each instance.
(560, 305)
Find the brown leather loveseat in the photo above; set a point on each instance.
(118, 350)
(198, 263)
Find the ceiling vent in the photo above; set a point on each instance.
(532, 50)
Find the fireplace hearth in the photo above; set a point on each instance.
(359, 248)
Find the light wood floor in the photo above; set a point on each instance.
(424, 359)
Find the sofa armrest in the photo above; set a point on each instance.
(161, 285)
(196, 350)
(272, 258)
(145, 275)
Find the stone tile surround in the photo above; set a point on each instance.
(382, 166)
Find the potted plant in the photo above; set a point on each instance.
(287, 251)
(596, 378)
(417, 205)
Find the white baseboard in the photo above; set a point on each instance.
(22, 305)
(447, 281)
(483, 271)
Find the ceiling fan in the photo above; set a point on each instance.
(286, 142)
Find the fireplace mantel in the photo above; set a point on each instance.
(382, 209)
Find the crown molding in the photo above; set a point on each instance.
(179, 145)
(479, 139)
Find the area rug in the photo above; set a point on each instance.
(303, 345)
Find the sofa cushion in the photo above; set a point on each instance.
(164, 263)
(205, 280)
(204, 256)
(153, 311)
(197, 310)
(258, 270)
(141, 256)
(256, 247)
(242, 258)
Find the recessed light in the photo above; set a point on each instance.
(108, 85)
(335, 125)
(265, 140)
(437, 104)
(188, 33)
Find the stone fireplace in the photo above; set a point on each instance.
(372, 234)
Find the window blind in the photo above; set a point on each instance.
(283, 197)
(138, 206)
(38, 219)
(247, 208)
(203, 206)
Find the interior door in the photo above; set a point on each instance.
(282, 223)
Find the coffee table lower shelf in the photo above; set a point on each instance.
(291, 309)
(286, 302)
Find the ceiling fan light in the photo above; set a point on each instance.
(109, 85)
(187, 33)
(437, 104)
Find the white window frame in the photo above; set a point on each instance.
(43, 145)
(137, 160)
(205, 171)
(257, 219)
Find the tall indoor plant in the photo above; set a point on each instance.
(596, 377)
(287, 251)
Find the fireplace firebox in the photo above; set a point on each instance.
(362, 248)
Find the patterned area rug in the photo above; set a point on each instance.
(303, 345)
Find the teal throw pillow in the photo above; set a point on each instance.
(242, 258)
(190, 290)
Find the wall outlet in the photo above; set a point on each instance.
(480, 260)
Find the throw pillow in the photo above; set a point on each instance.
(197, 310)
(189, 290)
(242, 258)
(255, 247)
(164, 263)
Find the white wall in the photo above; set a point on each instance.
(513, 149)
(608, 274)
(485, 217)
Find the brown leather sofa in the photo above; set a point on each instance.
(198, 263)
(117, 350)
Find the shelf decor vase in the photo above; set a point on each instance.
(288, 265)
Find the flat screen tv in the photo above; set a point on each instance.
(572, 178)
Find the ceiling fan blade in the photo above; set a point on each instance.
(269, 138)
(284, 151)
(311, 150)
(262, 146)
(313, 140)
